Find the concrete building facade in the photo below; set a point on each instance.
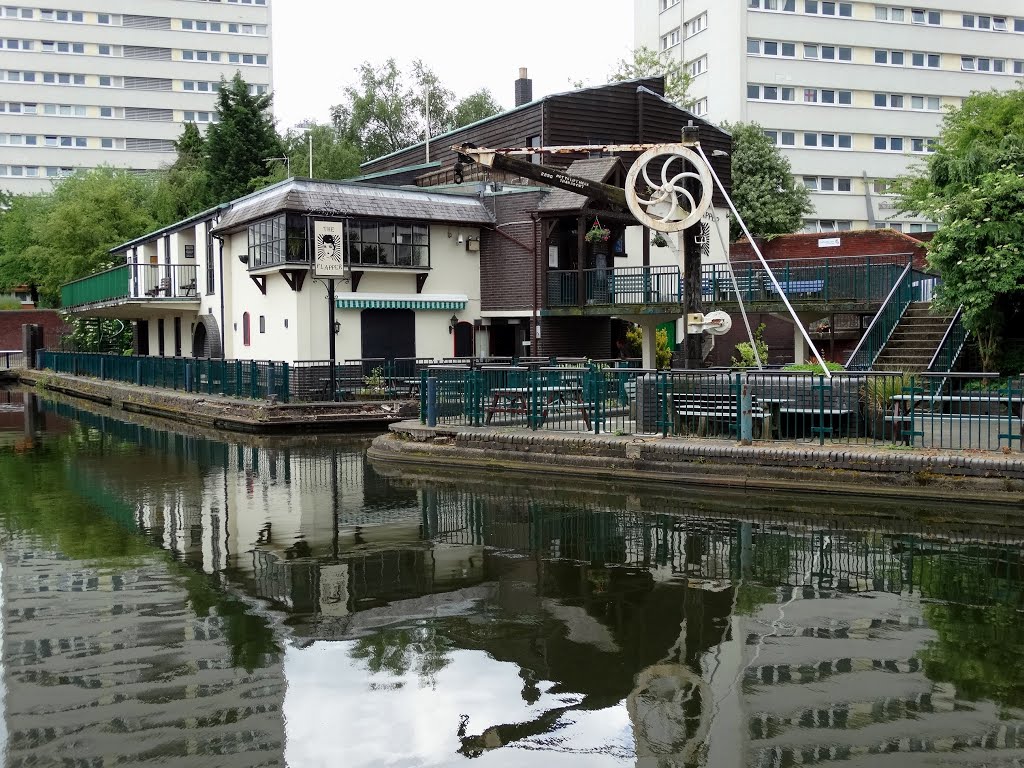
(113, 83)
(853, 92)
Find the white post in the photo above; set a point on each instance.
(799, 346)
(310, 153)
(649, 347)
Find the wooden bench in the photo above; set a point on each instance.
(711, 408)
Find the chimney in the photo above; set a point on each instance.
(524, 88)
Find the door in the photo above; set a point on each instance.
(199, 341)
(388, 333)
(142, 338)
(160, 336)
(177, 337)
(464, 340)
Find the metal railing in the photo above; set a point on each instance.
(146, 282)
(853, 278)
(951, 346)
(884, 323)
(250, 379)
(12, 359)
(858, 408)
(608, 287)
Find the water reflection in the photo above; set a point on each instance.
(283, 601)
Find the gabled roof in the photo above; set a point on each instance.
(591, 169)
(337, 198)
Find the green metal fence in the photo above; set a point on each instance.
(949, 411)
(103, 286)
(249, 379)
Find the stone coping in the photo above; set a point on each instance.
(983, 477)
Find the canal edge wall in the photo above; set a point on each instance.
(659, 462)
(223, 413)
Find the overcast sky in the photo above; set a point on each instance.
(470, 45)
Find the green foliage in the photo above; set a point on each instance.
(335, 156)
(973, 187)
(477, 106)
(764, 191)
(815, 367)
(113, 337)
(184, 190)
(48, 240)
(650, 63)
(8, 303)
(238, 145)
(383, 111)
(662, 352)
(745, 350)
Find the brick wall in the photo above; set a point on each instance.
(506, 279)
(869, 242)
(11, 322)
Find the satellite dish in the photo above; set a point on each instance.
(663, 202)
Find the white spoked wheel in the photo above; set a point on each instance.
(663, 202)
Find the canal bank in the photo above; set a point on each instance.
(798, 468)
(224, 413)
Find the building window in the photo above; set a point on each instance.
(922, 16)
(666, 4)
(278, 240)
(697, 66)
(246, 330)
(698, 24)
(383, 243)
(885, 13)
(669, 40)
(263, 324)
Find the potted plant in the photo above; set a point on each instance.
(876, 398)
(659, 241)
(598, 235)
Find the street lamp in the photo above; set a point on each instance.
(287, 163)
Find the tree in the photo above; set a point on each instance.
(184, 189)
(477, 106)
(384, 111)
(335, 156)
(763, 189)
(973, 187)
(376, 113)
(238, 146)
(51, 239)
(650, 63)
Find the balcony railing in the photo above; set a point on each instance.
(608, 287)
(854, 279)
(133, 282)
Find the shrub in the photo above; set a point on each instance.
(745, 351)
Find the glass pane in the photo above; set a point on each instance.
(386, 253)
(404, 256)
(421, 256)
(368, 232)
(386, 234)
(420, 234)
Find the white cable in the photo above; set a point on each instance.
(736, 288)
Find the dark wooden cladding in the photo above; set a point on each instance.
(506, 281)
(513, 128)
(631, 112)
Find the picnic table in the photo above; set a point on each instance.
(1010, 407)
(516, 400)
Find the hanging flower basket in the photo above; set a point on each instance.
(659, 241)
(597, 233)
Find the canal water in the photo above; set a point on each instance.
(199, 600)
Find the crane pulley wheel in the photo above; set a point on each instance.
(668, 205)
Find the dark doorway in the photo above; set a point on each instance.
(160, 336)
(464, 340)
(177, 337)
(199, 341)
(142, 337)
(503, 341)
(388, 333)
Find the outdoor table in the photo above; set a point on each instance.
(517, 400)
(773, 406)
(1015, 407)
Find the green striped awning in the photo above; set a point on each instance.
(357, 302)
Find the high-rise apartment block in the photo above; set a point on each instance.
(852, 92)
(90, 83)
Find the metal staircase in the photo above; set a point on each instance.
(915, 343)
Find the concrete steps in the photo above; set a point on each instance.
(914, 342)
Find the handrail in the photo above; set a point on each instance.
(945, 338)
(892, 293)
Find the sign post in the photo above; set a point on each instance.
(329, 262)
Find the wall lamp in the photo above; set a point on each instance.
(452, 323)
(337, 327)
